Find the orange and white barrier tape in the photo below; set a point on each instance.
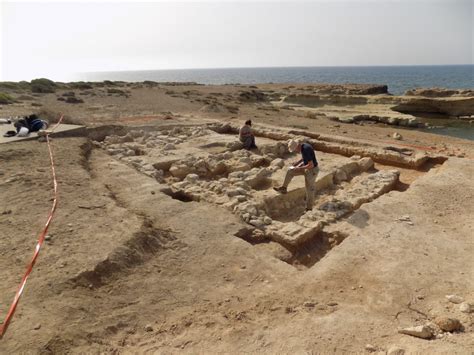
(29, 268)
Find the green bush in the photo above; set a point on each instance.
(5, 99)
(81, 85)
(43, 86)
(14, 86)
(150, 83)
(25, 98)
(115, 91)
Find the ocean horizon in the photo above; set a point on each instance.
(399, 79)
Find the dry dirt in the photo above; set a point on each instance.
(168, 238)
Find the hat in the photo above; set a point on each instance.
(292, 145)
(45, 124)
(23, 132)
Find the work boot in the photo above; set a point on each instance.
(280, 189)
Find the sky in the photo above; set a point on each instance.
(57, 39)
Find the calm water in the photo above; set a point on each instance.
(398, 78)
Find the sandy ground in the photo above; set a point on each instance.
(128, 269)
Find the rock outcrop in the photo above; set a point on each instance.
(439, 92)
(459, 106)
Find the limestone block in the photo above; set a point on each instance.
(180, 170)
(165, 164)
(421, 331)
(257, 160)
(159, 175)
(324, 181)
(466, 307)
(454, 299)
(281, 149)
(221, 200)
(231, 204)
(395, 350)
(258, 222)
(292, 229)
(192, 178)
(217, 168)
(293, 234)
(366, 164)
(236, 175)
(247, 207)
(340, 176)
(280, 163)
(245, 160)
(169, 146)
(352, 167)
(246, 217)
(195, 191)
(243, 185)
(240, 167)
(180, 185)
(113, 151)
(234, 145)
(235, 192)
(267, 220)
(136, 133)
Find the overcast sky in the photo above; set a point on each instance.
(57, 39)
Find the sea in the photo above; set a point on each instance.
(399, 79)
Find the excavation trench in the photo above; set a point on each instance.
(305, 255)
(345, 185)
(142, 245)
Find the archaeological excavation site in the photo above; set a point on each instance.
(169, 237)
(206, 164)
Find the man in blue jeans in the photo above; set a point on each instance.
(307, 166)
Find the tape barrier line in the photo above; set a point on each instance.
(29, 268)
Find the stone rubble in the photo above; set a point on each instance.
(231, 177)
(466, 307)
(421, 331)
(454, 299)
(448, 324)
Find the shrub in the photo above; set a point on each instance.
(25, 98)
(43, 86)
(81, 85)
(5, 99)
(9, 85)
(74, 100)
(150, 83)
(116, 91)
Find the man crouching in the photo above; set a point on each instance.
(246, 136)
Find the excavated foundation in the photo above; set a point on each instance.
(206, 164)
